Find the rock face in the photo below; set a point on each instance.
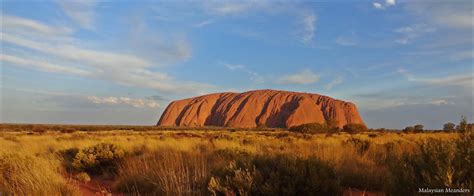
(269, 108)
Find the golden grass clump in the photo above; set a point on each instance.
(165, 172)
(25, 175)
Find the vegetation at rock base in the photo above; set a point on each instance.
(234, 161)
(311, 128)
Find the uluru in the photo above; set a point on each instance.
(268, 108)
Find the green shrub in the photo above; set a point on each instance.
(464, 159)
(418, 128)
(68, 130)
(310, 128)
(409, 129)
(449, 127)
(275, 175)
(354, 128)
(102, 158)
(435, 163)
(237, 180)
(372, 135)
(438, 163)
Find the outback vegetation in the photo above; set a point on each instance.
(308, 159)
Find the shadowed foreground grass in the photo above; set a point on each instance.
(220, 162)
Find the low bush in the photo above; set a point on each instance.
(354, 128)
(372, 135)
(236, 181)
(418, 128)
(275, 175)
(437, 163)
(464, 159)
(39, 129)
(409, 129)
(99, 159)
(310, 128)
(68, 130)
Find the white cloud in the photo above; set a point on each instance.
(336, 81)
(42, 65)
(204, 23)
(409, 33)
(378, 5)
(255, 77)
(230, 8)
(160, 48)
(462, 80)
(447, 14)
(440, 102)
(465, 81)
(234, 67)
(302, 77)
(384, 103)
(82, 12)
(71, 57)
(71, 52)
(390, 2)
(25, 25)
(137, 103)
(305, 18)
(389, 99)
(309, 27)
(225, 8)
(381, 6)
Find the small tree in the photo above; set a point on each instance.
(462, 125)
(418, 128)
(310, 128)
(354, 128)
(449, 126)
(409, 129)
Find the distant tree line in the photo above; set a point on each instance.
(463, 126)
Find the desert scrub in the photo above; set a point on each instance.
(165, 172)
(360, 145)
(274, 175)
(28, 175)
(99, 159)
(464, 159)
(354, 128)
(437, 163)
(310, 128)
(236, 181)
(361, 173)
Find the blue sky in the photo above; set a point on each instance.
(98, 62)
